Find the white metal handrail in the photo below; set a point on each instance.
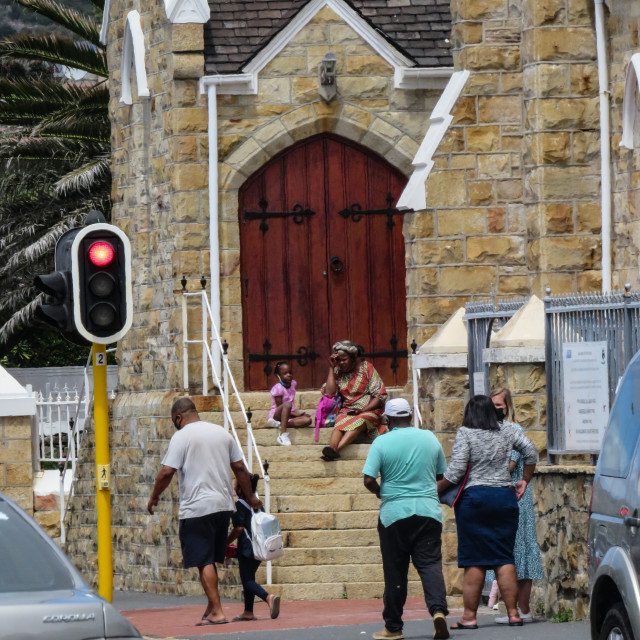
(225, 385)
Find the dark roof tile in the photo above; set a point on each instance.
(239, 29)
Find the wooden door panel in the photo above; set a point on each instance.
(292, 299)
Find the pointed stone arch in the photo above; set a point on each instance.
(630, 102)
(133, 54)
(349, 121)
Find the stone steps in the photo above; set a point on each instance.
(317, 574)
(328, 518)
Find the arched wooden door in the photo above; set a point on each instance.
(322, 259)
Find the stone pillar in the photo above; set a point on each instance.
(16, 466)
(17, 408)
(561, 144)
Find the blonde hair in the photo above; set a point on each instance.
(508, 400)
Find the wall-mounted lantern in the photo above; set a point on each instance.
(327, 77)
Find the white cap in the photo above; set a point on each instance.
(397, 408)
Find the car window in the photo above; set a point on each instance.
(621, 436)
(27, 562)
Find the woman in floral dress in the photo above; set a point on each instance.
(363, 396)
(526, 550)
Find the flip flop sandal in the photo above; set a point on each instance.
(205, 622)
(241, 619)
(465, 627)
(274, 608)
(330, 454)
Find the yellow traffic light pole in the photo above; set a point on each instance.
(103, 472)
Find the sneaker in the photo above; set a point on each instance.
(274, 424)
(385, 634)
(283, 438)
(440, 630)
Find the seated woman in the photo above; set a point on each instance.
(363, 396)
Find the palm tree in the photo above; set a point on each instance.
(54, 149)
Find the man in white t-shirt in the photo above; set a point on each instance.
(203, 454)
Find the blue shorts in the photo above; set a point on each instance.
(204, 539)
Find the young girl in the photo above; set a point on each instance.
(283, 412)
(241, 521)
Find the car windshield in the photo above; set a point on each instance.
(27, 563)
(620, 439)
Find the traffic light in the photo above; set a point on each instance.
(101, 277)
(58, 307)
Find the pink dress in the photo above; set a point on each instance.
(287, 395)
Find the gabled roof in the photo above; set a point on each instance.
(239, 29)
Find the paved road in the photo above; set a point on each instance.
(175, 617)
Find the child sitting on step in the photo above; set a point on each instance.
(241, 521)
(283, 412)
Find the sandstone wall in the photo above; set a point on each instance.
(622, 25)
(513, 198)
(16, 465)
(159, 193)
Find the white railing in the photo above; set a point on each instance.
(61, 417)
(211, 343)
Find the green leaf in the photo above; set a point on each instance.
(56, 50)
(74, 21)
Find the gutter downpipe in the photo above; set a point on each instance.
(214, 237)
(605, 144)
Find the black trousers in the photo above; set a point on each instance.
(248, 568)
(419, 539)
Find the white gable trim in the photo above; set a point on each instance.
(630, 101)
(414, 195)
(382, 47)
(105, 22)
(133, 52)
(187, 11)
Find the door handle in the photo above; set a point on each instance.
(336, 265)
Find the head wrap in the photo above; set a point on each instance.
(350, 348)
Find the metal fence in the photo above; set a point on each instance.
(483, 319)
(56, 415)
(612, 318)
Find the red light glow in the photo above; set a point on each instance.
(101, 254)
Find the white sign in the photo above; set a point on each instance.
(586, 394)
(479, 388)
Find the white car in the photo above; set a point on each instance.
(42, 596)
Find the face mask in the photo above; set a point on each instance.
(501, 415)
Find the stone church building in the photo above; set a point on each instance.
(348, 169)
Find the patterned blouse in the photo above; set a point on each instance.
(488, 453)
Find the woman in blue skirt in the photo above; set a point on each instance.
(487, 510)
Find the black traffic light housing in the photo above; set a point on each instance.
(57, 309)
(101, 277)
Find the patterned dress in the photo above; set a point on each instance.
(525, 550)
(356, 389)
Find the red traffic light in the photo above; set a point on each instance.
(101, 253)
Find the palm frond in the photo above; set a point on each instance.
(20, 318)
(27, 102)
(74, 21)
(84, 177)
(56, 50)
(43, 244)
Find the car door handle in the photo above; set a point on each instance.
(630, 521)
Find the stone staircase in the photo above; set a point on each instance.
(327, 517)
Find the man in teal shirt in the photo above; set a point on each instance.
(410, 461)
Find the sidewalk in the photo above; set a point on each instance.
(170, 616)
